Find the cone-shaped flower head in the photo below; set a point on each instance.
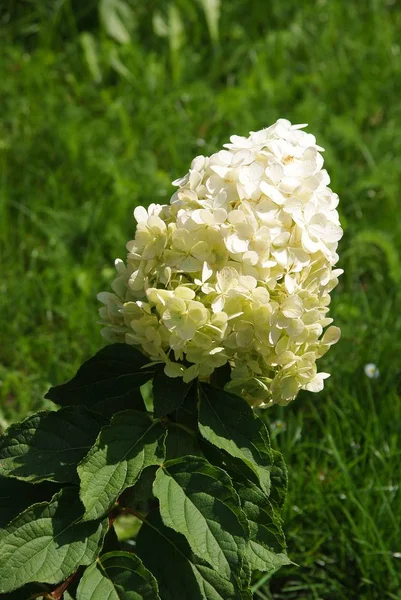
(237, 269)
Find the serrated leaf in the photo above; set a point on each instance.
(132, 442)
(198, 501)
(214, 587)
(166, 553)
(16, 496)
(235, 467)
(114, 371)
(228, 422)
(48, 542)
(168, 394)
(49, 445)
(266, 546)
(117, 576)
(279, 480)
(265, 550)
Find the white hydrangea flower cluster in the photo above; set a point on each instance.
(237, 269)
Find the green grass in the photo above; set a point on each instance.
(91, 127)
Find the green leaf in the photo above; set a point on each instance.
(265, 549)
(111, 542)
(132, 442)
(168, 394)
(235, 467)
(198, 501)
(48, 542)
(49, 445)
(187, 413)
(114, 371)
(221, 376)
(117, 576)
(279, 480)
(29, 592)
(16, 496)
(228, 422)
(140, 496)
(180, 442)
(110, 406)
(181, 575)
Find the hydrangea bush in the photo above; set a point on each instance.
(221, 305)
(237, 269)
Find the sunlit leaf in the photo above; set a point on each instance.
(48, 542)
(117, 576)
(132, 442)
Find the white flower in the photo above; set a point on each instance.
(278, 427)
(237, 269)
(371, 371)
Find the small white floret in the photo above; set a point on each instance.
(371, 371)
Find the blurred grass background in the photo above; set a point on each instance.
(103, 103)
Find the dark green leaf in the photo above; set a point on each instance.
(140, 496)
(187, 413)
(111, 542)
(180, 442)
(221, 376)
(48, 542)
(16, 496)
(228, 422)
(117, 576)
(198, 501)
(49, 445)
(29, 592)
(114, 371)
(181, 575)
(168, 394)
(110, 406)
(132, 442)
